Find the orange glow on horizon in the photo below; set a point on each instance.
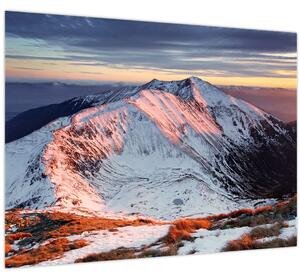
(61, 70)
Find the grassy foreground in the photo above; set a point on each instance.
(35, 237)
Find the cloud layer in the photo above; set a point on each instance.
(168, 48)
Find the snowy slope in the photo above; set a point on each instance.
(104, 241)
(26, 184)
(165, 149)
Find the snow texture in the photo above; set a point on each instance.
(105, 241)
(138, 152)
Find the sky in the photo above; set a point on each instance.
(43, 47)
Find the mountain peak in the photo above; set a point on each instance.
(182, 88)
(185, 136)
(186, 80)
(194, 78)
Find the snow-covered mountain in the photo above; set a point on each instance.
(164, 149)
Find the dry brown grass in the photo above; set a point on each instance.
(118, 254)
(170, 251)
(192, 224)
(286, 207)
(78, 224)
(263, 209)
(282, 203)
(233, 214)
(262, 232)
(53, 250)
(182, 229)
(15, 217)
(8, 248)
(250, 241)
(59, 224)
(36, 227)
(250, 221)
(175, 235)
(279, 208)
(277, 243)
(127, 253)
(246, 243)
(259, 216)
(10, 238)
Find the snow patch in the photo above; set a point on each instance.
(105, 241)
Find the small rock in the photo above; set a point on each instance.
(178, 201)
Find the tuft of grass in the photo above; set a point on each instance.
(262, 232)
(52, 250)
(244, 243)
(276, 243)
(128, 253)
(192, 224)
(183, 228)
(177, 235)
(170, 251)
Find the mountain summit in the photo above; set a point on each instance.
(163, 149)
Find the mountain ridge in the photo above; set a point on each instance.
(33, 119)
(206, 146)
